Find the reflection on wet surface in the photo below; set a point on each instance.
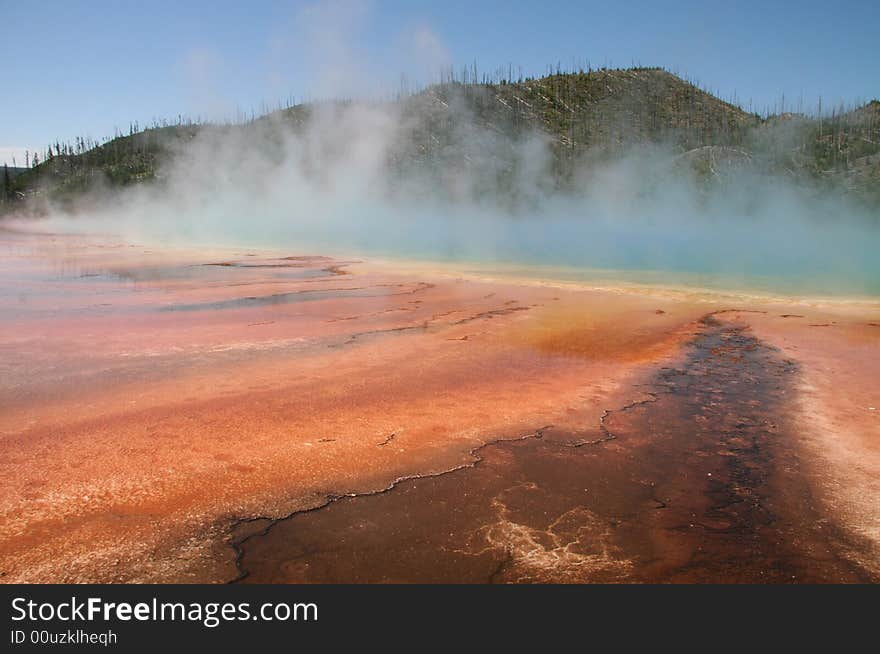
(306, 295)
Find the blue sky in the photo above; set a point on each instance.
(85, 67)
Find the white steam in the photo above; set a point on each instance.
(337, 180)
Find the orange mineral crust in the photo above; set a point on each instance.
(151, 400)
(170, 415)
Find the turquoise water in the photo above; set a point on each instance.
(793, 258)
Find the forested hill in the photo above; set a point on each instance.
(582, 116)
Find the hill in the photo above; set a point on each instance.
(581, 116)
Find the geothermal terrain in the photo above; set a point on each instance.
(594, 327)
(282, 416)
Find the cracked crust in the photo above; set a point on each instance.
(133, 438)
(703, 483)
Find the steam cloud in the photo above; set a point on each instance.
(336, 181)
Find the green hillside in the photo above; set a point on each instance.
(582, 116)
